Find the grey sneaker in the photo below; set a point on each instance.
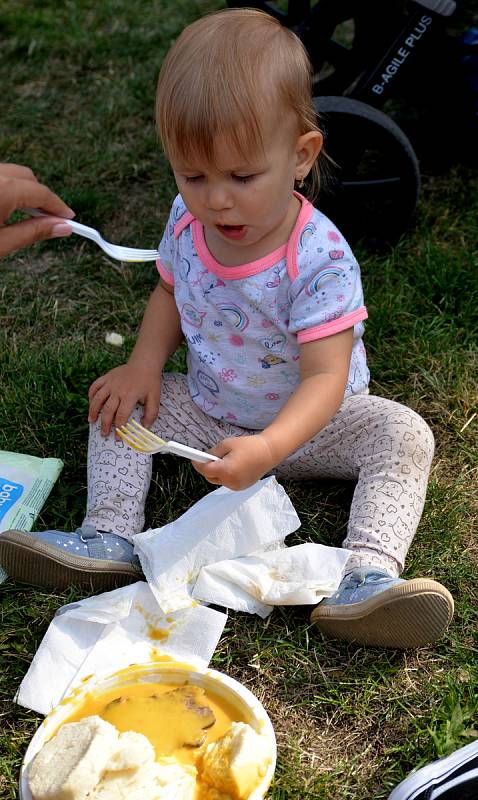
(372, 608)
(58, 560)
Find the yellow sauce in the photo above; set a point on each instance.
(155, 629)
(140, 714)
(157, 634)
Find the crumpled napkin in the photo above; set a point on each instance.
(108, 632)
(228, 549)
(300, 575)
(222, 525)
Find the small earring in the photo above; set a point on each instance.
(300, 181)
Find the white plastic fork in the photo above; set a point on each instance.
(142, 440)
(116, 251)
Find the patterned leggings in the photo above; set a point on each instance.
(386, 447)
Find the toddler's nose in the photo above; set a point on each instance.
(219, 198)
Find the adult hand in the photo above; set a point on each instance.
(115, 395)
(244, 459)
(19, 189)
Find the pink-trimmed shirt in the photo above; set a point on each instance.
(244, 324)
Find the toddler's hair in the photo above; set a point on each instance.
(223, 73)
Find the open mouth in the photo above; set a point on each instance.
(232, 231)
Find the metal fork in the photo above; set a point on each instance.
(142, 440)
(116, 251)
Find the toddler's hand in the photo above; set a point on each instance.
(244, 459)
(115, 395)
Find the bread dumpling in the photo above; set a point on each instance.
(133, 751)
(70, 764)
(165, 779)
(91, 760)
(236, 763)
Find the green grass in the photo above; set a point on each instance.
(78, 83)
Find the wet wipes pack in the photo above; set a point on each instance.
(25, 483)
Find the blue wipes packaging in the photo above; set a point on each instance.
(25, 483)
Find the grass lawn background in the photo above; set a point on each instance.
(76, 104)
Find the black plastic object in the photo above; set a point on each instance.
(374, 187)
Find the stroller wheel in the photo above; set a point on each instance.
(373, 191)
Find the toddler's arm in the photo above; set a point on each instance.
(115, 394)
(324, 368)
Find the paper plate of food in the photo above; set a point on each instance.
(159, 731)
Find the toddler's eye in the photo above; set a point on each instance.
(243, 178)
(192, 178)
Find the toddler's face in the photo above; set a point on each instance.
(246, 205)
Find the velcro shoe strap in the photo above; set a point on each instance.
(93, 540)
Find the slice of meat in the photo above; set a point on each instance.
(194, 700)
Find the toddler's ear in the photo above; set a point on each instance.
(307, 150)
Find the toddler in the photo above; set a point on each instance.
(267, 295)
